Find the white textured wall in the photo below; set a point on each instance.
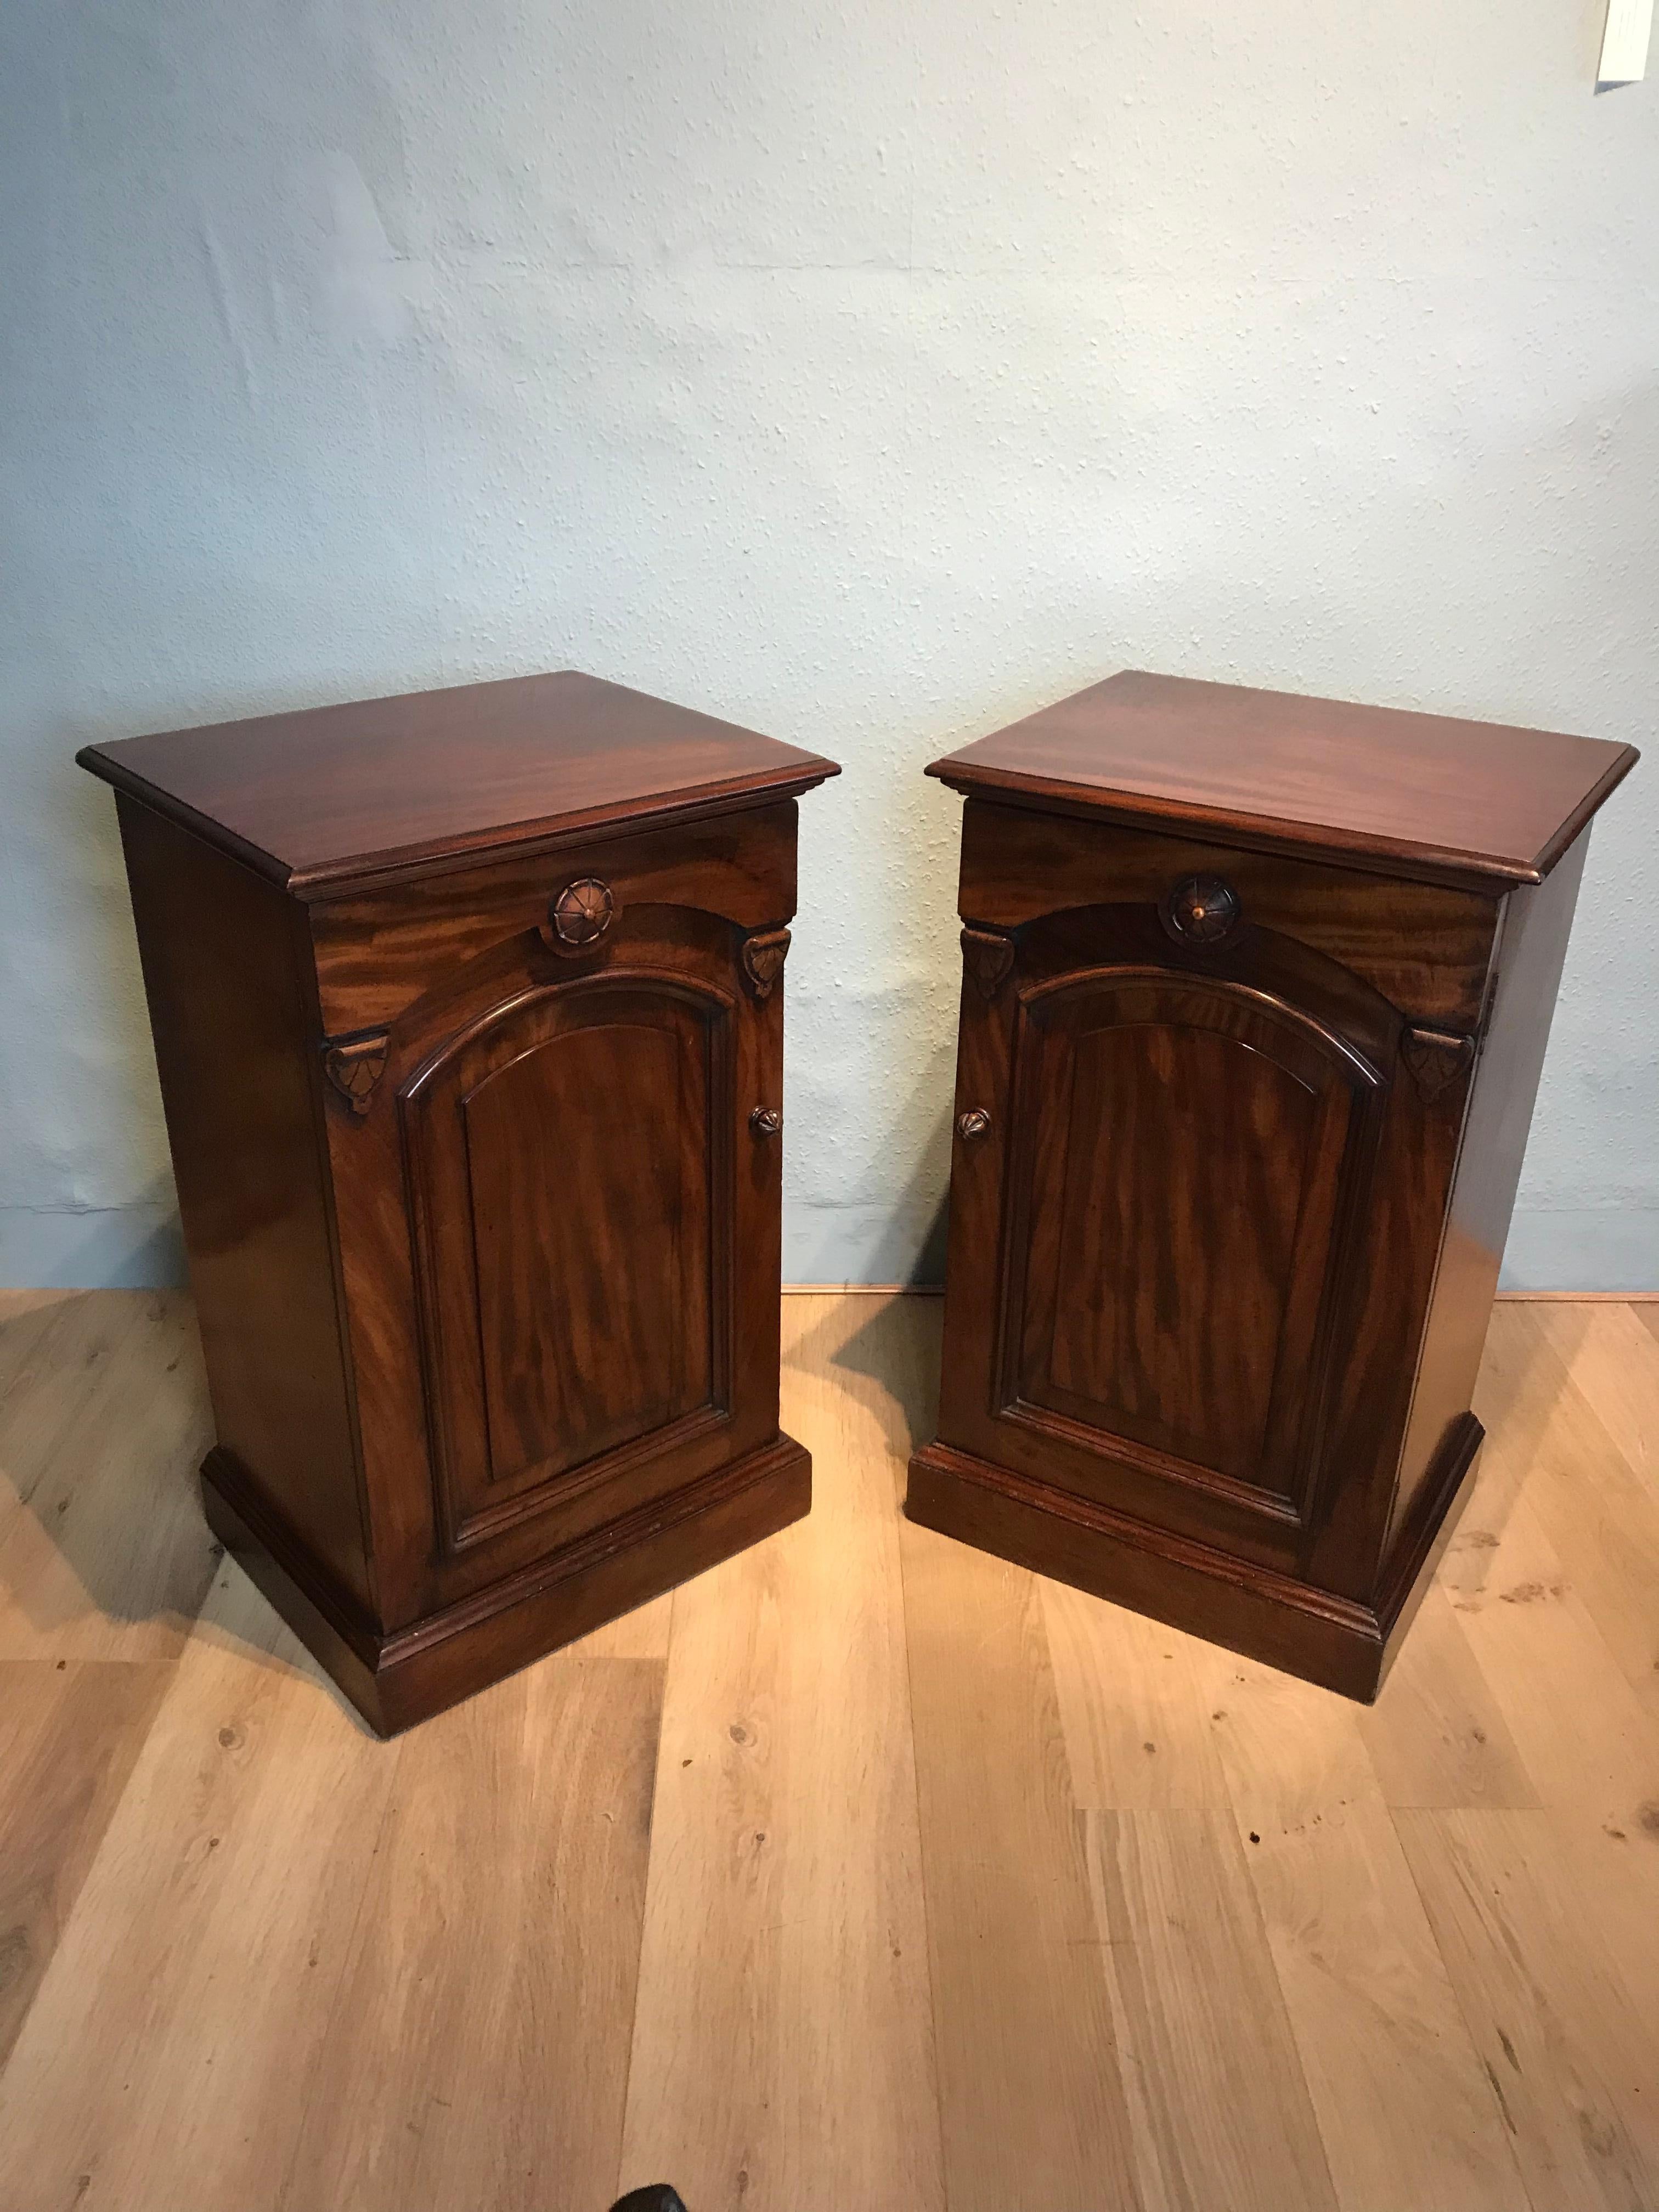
(869, 374)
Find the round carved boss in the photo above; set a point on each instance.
(581, 913)
(1201, 910)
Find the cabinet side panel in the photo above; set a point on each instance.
(236, 1058)
(1532, 948)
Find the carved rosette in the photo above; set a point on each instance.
(1201, 910)
(579, 917)
(1435, 1059)
(355, 1064)
(988, 958)
(764, 955)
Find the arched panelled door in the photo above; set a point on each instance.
(578, 1139)
(573, 1221)
(1178, 1152)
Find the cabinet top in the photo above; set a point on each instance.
(339, 796)
(1477, 804)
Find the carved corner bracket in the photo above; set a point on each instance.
(355, 1064)
(1435, 1059)
(988, 958)
(764, 955)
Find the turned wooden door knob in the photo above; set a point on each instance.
(973, 1125)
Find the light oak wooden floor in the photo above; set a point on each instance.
(864, 1873)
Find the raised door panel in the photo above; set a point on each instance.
(554, 1203)
(572, 1217)
(1177, 1161)
(1163, 1117)
(1184, 1158)
(617, 1239)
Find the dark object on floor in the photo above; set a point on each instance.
(1257, 990)
(659, 2198)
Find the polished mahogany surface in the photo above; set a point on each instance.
(479, 1159)
(1421, 795)
(337, 795)
(1242, 1102)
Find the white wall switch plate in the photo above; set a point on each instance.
(1624, 42)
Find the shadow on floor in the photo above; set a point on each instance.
(104, 1422)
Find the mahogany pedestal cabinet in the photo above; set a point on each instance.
(1257, 991)
(469, 1013)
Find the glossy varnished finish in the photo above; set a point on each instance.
(374, 952)
(1419, 796)
(1423, 946)
(1239, 1122)
(324, 799)
(224, 974)
(479, 1159)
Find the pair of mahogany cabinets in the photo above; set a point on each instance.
(469, 1014)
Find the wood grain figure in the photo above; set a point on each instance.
(463, 1006)
(1257, 993)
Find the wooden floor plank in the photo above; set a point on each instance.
(18, 1305)
(1133, 1702)
(1406, 2113)
(1615, 1880)
(1573, 2060)
(1404, 2109)
(1219, 2116)
(1600, 1515)
(1291, 1754)
(1602, 1521)
(1589, 1745)
(104, 1553)
(27, 1319)
(783, 2052)
(259, 1959)
(1034, 2105)
(70, 1733)
(1437, 1735)
(642, 1634)
(165, 2059)
(477, 2049)
(65, 1364)
(1613, 1357)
